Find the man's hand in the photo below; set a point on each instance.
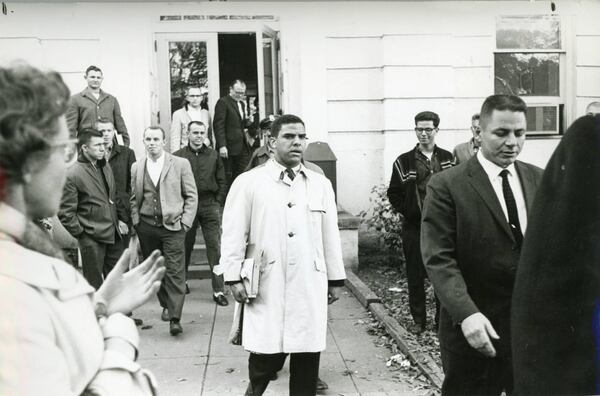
(223, 152)
(239, 292)
(125, 291)
(333, 294)
(477, 329)
(123, 229)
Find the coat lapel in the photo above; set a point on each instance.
(166, 166)
(139, 181)
(89, 169)
(481, 183)
(527, 184)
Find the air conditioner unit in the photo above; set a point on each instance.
(544, 119)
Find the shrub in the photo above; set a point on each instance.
(383, 218)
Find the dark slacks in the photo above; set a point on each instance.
(304, 370)
(98, 259)
(171, 294)
(415, 275)
(472, 375)
(208, 217)
(235, 165)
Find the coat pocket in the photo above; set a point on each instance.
(316, 213)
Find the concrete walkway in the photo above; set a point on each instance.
(201, 362)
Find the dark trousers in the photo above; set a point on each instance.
(235, 165)
(304, 370)
(171, 294)
(472, 375)
(208, 217)
(98, 259)
(415, 276)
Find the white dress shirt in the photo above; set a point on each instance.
(241, 108)
(155, 168)
(493, 172)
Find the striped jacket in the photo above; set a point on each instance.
(402, 192)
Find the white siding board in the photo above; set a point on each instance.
(417, 50)
(588, 50)
(71, 55)
(26, 49)
(473, 82)
(400, 113)
(418, 82)
(354, 84)
(588, 81)
(354, 52)
(355, 116)
(473, 51)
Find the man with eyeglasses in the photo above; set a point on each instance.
(88, 209)
(464, 151)
(284, 217)
(230, 123)
(194, 109)
(410, 173)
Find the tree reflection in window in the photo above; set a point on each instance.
(526, 74)
(188, 66)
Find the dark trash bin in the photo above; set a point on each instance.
(320, 153)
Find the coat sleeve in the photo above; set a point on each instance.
(72, 116)
(130, 162)
(31, 363)
(439, 250)
(67, 213)
(135, 216)
(221, 181)
(396, 190)
(332, 245)
(175, 133)
(219, 124)
(120, 123)
(236, 229)
(189, 193)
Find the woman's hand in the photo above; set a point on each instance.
(124, 291)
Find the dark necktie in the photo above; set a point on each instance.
(243, 106)
(511, 207)
(290, 173)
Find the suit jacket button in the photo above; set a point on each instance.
(291, 234)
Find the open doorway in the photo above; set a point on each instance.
(237, 60)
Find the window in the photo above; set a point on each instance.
(527, 62)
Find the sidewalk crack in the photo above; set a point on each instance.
(212, 330)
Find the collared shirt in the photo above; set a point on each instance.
(284, 175)
(196, 114)
(241, 108)
(493, 172)
(155, 168)
(425, 168)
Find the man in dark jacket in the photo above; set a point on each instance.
(229, 126)
(120, 159)
(209, 175)
(406, 193)
(91, 104)
(88, 210)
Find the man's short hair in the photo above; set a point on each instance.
(199, 123)
(593, 108)
(475, 117)
(86, 134)
(285, 119)
(92, 68)
(501, 102)
(237, 81)
(428, 116)
(155, 127)
(104, 120)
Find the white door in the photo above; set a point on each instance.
(185, 59)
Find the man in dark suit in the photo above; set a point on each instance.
(163, 207)
(473, 222)
(229, 126)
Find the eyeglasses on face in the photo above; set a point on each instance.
(69, 148)
(426, 130)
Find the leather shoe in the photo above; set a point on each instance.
(187, 288)
(321, 385)
(164, 316)
(175, 328)
(221, 300)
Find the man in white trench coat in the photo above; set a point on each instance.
(288, 213)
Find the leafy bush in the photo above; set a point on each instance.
(383, 218)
